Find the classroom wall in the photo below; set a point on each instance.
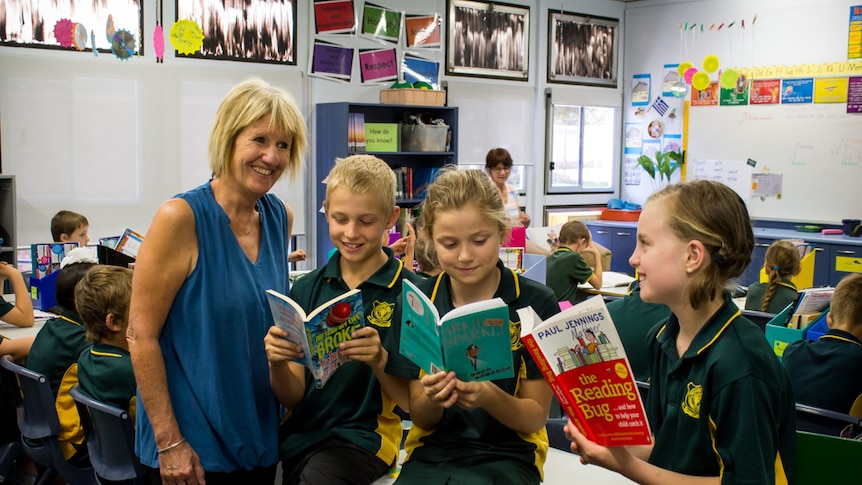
(113, 139)
(816, 147)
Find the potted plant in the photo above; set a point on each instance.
(660, 169)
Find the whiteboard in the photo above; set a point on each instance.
(114, 139)
(816, 147)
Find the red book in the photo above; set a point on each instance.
(582, 357)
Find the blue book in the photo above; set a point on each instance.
(321, 330)
(472, 340)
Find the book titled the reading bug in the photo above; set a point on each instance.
(581, 356)
(472, 340)
(320, 331)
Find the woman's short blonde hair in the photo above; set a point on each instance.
(245, 104)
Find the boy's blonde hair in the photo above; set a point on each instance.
(846, 305)
(715, 215)
(363, 174)
(245, 104)
(66, 222)
(574, 231)
(454, 189)
(782, 261)
(104, 290)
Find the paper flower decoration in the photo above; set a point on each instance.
(63, 32)
(679, 89)
(685, 66)
(186, 37)
(159, 42)
(728, 79)
(700, 80)
(79, 37)
(123, 44)
(710, 63)
(689, 74)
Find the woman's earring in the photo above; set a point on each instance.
(688, 270)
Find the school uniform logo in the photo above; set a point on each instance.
(381, 314)
(691, 403)
(515, 335)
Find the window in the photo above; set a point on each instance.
(517, 175)
(581, 148)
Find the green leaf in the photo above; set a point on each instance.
(647, 165)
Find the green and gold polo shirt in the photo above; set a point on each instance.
(566, 270)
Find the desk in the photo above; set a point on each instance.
(561, 468)
(615, 284)
(13, 332)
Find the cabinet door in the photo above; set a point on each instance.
(751, 275)
(602, 235)
(844, 259)
(624, 242)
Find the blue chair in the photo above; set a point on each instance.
(39, 425)
(110, 440)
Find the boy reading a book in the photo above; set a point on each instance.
(68, 226)
(105, 368)
(712, 372)
(827, 373)
(477, 432)
(347, 431)
(566, 265)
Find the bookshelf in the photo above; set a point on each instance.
(8, 252)
(332, 142)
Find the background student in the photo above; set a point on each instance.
(56, 348)
(827, 373)
(347, 431)
(633, 319)
(20, 313)
(199, 313)
(475, 432)
(68, 226)
(712, 372)
(498, 164)
(105, 367)
(567, 268)
(781, 264)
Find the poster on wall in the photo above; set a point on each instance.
(640, 89)
(423, 31)
(854, 36)
(669, 77)
(253, 31)
(705, 97)
(377, 65)
(634, 138)
(332, 61)
(416, 69)
(70, 25)
(854, 95)
(797, 91)
(765, 91)
(582, 49)
(632, 170)
(488, 39)
(830, 90)
(381, 23)
(334, 17)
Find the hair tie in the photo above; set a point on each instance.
(719, 260)
(776, 268)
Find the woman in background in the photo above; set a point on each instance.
(498, 164)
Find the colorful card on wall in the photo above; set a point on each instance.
(765, 91)
(377, 65)
(854, 95)
(735, 96)
(334, 17)
(422, 30)
(670, 77)
(381, 23)
(416, 69)
(331, 61)
(796, 91)
(830, 90)
(705, 97)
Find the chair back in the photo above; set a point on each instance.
(823, 421)
(110, 438)
(39, 425)
(556, 435)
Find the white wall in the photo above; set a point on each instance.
(790, 32)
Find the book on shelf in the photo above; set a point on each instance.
(130, 243)
(472, 340)
(351, 132)
(45, 258)
(582, 357)
(320, 331)
(421, 179)
(360, 131)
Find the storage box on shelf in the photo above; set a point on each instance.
(332, 126)
(416, 97)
